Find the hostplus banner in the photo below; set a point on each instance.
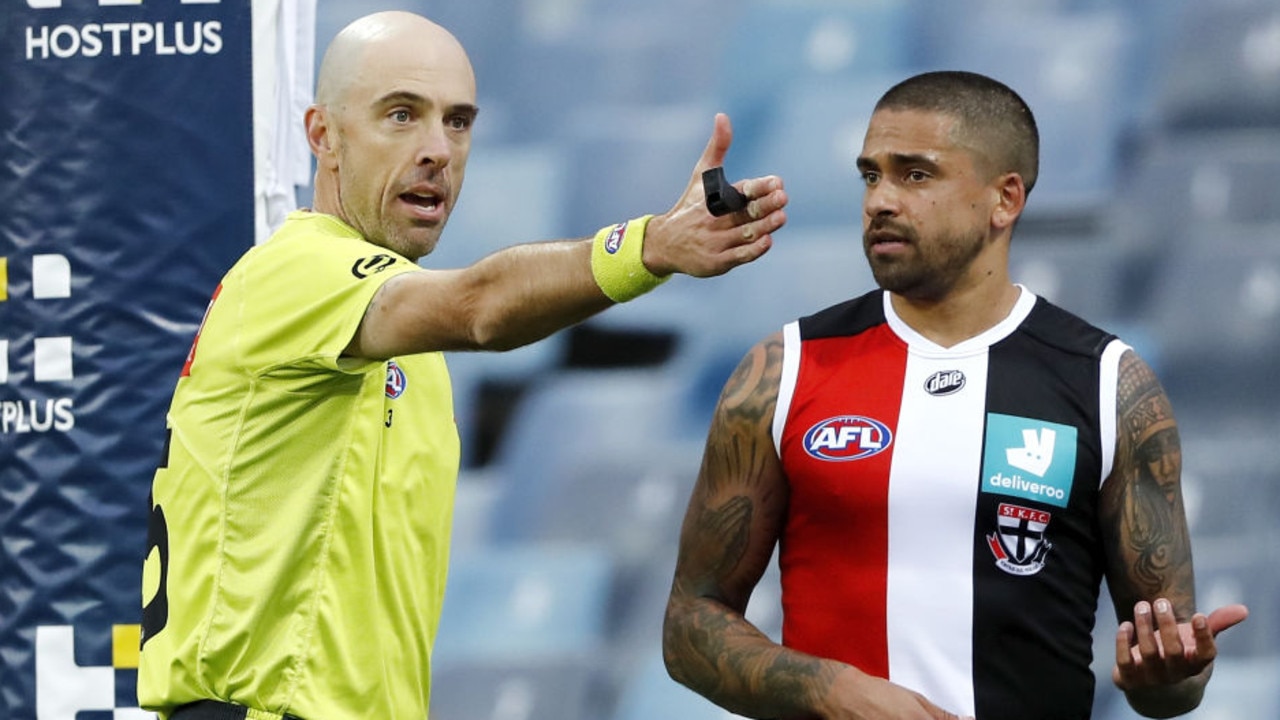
(126, 190)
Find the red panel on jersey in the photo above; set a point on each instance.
(837, 447)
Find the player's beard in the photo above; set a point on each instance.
(929, 269)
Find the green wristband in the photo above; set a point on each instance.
(616, 261)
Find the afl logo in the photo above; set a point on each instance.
(396, 380)
(847, 437)
(613, 243)
(945, 382)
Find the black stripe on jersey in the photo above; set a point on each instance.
(847, 318)
(1032, 634)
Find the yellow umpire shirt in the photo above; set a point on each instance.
(299, 534)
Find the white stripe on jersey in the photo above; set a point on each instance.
(1107, 389)
(937, 461)
(937, 458)
(787, 386)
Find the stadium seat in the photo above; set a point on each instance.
(1071, 70)
(640, 622)
(583, 446)
(502, 689)
(1231, 478)
(1215, 312)
(641, 56)
(808, 268)
(1240, 569)
(653, 694)
(812, 140)
(774, 45)
(628, 160)
(473, 502)
(1222, 69)
(522, 632)
(576, 55)
(1181, 184)
(717, 320)
(524, 602)
(1085, 274)
(773, 42)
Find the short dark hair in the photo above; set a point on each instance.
(992, 118)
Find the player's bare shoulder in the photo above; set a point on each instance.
(751, 392)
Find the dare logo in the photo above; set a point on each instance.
(944, 382)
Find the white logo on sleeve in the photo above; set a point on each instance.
(1036, 454)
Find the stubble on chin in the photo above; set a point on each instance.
(927, 277)
(896, 277)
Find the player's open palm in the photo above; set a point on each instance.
(1155, 649)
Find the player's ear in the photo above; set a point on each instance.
(1011, 198)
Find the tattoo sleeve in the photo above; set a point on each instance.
(733, 522)
(1142, 514)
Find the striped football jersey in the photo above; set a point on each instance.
(941, 531)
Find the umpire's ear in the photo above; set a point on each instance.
(321, 136)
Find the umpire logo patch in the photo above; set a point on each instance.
(396, 380)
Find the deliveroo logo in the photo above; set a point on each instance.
(1027, 458)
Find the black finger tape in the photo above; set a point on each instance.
(722, 198)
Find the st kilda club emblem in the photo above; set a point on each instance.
(1019, 543)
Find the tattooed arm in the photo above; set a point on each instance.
(734, 519)
(1164, 648)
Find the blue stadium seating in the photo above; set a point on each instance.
(1084, 273)
(1221, 69)
(1215, 311)
(502, 689)
(521, 632)
(1180, 184)
(628, 160)
(772, 45)
(653, 694)
(1070, 68)
(527, 601)
(582, 441)
(812, 140)
(647, 691)
(1231, 475)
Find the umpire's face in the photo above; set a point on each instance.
(401, 134)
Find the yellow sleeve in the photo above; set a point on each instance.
(301, 298)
